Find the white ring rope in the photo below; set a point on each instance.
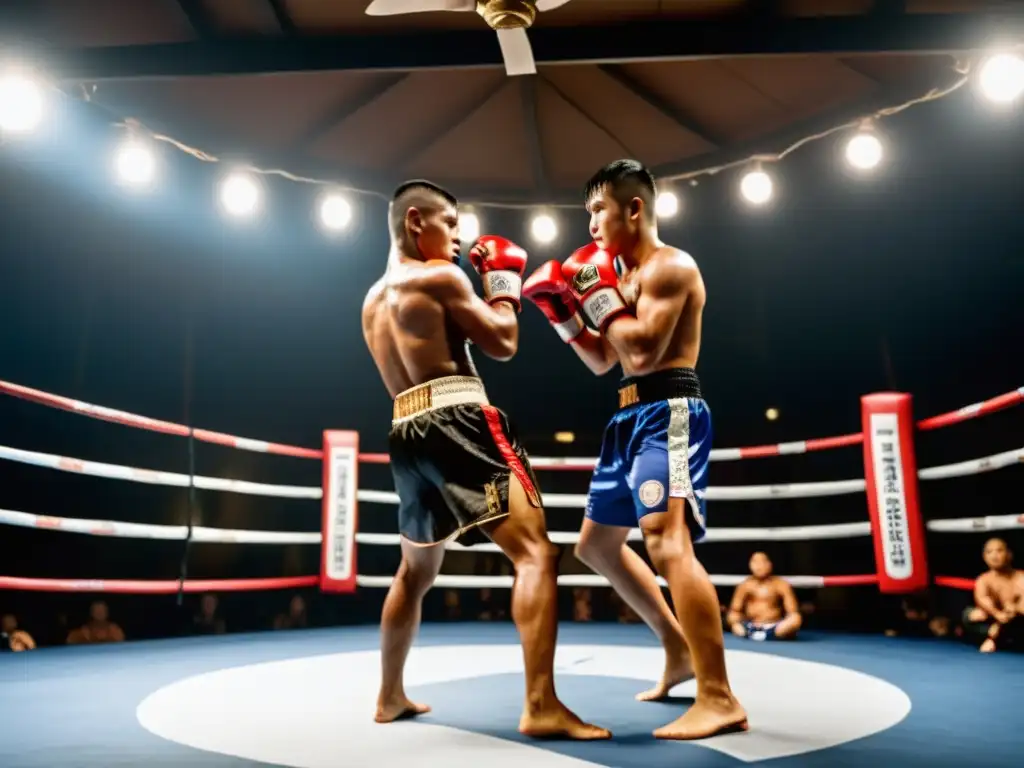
(570, 580)
(972, 524)
(973, 466)
(117, 529)
(155, 477)
(552, 500)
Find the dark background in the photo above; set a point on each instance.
(909, 279)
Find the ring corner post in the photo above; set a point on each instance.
(890, 471)
(340, 510)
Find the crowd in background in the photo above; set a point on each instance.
(762, 607)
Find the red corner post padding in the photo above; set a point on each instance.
(340, 511)
(890, 468)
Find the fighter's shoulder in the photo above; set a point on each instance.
(440, 280)
(672, 269)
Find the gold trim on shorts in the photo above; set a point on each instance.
(629, 395)
(439, 393)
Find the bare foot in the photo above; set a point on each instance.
(703, 720)
(399, 709)
(677, 670)
(989, 646)
(560, 723)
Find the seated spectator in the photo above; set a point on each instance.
(207, 621)
(12, 638)
(581, 605)
(764, 607)
(296, 618)
(995, 620)
(98, 629)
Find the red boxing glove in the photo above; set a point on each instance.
(501, 264)
(591, 275)
(548, 290)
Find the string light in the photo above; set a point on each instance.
(772, 414)
(666, 205)
(469, 227)
(22, 102)
(135, 163)
(335, 212)
(240, 194)
(757, 186)
(565, 437)
(1002, 78)
(864, 150)
(543, 228)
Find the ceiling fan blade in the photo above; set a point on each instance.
(402, 7)
(516, 50)
(550, 5)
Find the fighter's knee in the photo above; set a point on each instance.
(539, 555)
(664, 547)
(415, 580)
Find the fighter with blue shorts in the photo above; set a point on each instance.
(629, 299)
(657, 446)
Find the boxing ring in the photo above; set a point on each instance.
(305, 698)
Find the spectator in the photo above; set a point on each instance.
(764, 607)
(581, 604)
(296, 618)
(995, 620)
(208, 621)
(98, 629)
(12, 638)
(452, 605)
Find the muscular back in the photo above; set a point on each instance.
(409, 331)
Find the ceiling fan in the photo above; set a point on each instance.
(509, 18)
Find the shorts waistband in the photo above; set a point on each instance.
(439, 393)
(660, 385)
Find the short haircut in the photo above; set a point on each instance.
(624, 179)
(418, 193)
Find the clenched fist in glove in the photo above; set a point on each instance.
(591, 275)
(501, 264)
(548, 289)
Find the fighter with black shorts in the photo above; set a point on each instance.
(458, 468)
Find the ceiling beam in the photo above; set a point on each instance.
(284, 20)
(654, 40)
(531, 129)
(688, 123)
(197, 16)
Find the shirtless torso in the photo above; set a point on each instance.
(407, 329)
(1000, 593)
(761, 600)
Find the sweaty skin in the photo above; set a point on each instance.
(664, 287)
(999, 592)
(765, 599)
(667, 293)
(411, 336)
(418, 321)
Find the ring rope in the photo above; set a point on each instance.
(973, 411)
(117, 529)
(261, 446)
(206, 535)
(159, 587)
(551, 500)
(593, 580)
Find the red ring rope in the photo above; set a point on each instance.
(168, 587)
(219, 438)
